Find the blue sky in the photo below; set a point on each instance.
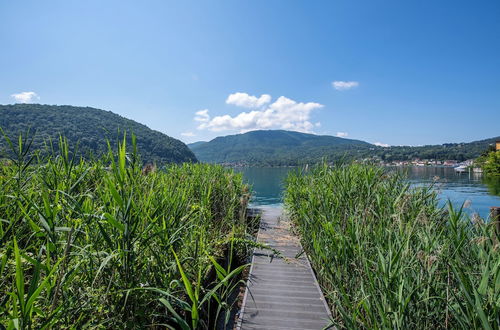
(392, 72)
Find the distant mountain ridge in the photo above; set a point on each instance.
(196, 144)
(276, 148)
(288, 148)
(89, 128)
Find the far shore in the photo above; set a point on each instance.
(303, 165)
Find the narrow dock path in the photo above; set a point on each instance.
(282, 292)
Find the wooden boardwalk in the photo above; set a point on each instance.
(282, 292)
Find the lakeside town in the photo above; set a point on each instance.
(460, 166)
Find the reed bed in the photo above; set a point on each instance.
(387, 256)
(104, 243)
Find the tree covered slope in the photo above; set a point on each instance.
(455, 151)
(89, 128)
(283, 148)
(276, 148)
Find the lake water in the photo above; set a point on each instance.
(267, 184)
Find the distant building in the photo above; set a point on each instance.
(449, 163)
(498, 146)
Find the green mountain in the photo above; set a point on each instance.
(277, 148)
(89, 128)
(286, 148)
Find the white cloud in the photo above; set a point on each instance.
(380, 144)
(202, 116)
(248, 101)
(25, 97)
(344, 85)
(341, 134)
(283, 113)
(188, 134)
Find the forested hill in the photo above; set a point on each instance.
(277, 148)
(286, 148)
(89, 128)
(448, 151)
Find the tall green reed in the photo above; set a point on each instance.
(102, 243)
(388, 257)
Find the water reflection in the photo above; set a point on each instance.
(493, 184)
(268, 186)
(267, 183)
(456, 187)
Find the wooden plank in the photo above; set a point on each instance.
(282, 292)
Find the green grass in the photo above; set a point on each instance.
(102, 244)
(387, 256)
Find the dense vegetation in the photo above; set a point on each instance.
(88, 128)
(109, 244)
(276, 148)
(387, 257)
(490, 163)
(454, 151)
(286, 148)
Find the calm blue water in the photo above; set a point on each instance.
(267, 185)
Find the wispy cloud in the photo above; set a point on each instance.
(202, 116)
(344, 85)
(284, 113)
(188, 134)
(380, 144)
(248, 101)
(341, 134)
(25, 97)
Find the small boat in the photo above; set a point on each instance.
(461, 168)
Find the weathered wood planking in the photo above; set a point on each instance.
(282, 292)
